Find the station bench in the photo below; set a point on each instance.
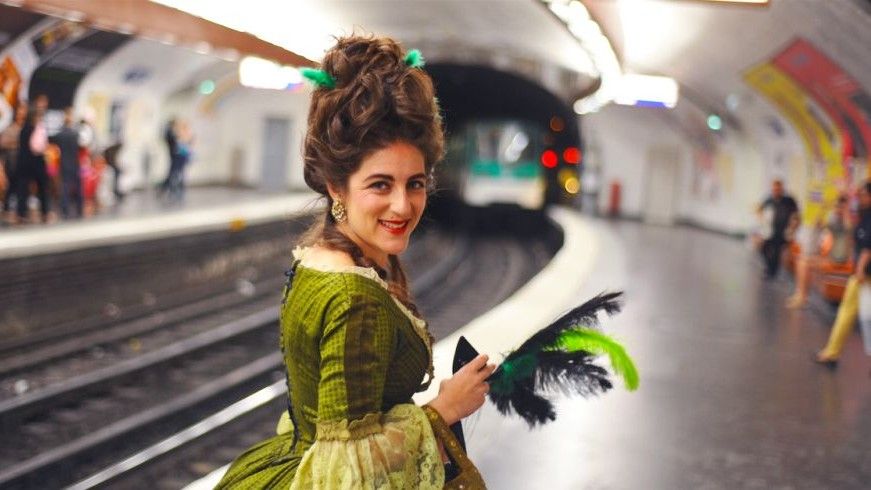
(827, 277)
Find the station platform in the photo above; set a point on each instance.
(142, 216)
(729, 397)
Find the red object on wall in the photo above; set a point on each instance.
(614, 198)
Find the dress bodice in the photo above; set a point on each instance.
(318, 299)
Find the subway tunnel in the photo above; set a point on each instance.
(707, 158)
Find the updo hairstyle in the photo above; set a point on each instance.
(377, 100)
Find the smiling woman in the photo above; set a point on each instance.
(355, 347)
(384, 199)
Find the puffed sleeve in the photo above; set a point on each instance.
(357, 445)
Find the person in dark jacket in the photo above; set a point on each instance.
(110, 154)
(848, 310)
(32, 143)
(67, 140)
(782, 212)
(171, 138)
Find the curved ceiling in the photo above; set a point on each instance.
(708, 46)
(521, 36)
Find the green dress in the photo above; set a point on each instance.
(354, 357)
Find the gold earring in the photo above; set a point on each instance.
(338, 211)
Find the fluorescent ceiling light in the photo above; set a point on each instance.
(577, 19)
(298, 26)
(753, 2)
(646, 90)
(259, 73)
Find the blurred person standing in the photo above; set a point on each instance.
(184, 153)
(67, 140)
(89, 166)
(782, 212)
(110, 155)
(171, 139)
(32, 143)
(9, 154)
(848, 310)
(830, 243)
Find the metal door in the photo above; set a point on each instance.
(276, 144)
(661, 188)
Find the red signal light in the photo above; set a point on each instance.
(572, 155)
(549, 159)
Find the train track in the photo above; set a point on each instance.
(178, 395)
(47, 298)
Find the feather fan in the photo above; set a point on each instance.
(560, 357)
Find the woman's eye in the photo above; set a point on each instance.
(417, 184)
(380, 185)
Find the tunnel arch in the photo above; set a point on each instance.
(467, 92)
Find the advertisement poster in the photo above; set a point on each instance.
(836, 92)
(10, 86)
(825, 173)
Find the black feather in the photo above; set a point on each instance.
(584, 315)
(538, 368)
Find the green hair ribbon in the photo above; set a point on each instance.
(320, 77)
(414, 59)
(323, 79)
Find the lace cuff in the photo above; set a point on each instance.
(393, 450)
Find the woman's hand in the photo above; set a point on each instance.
(463, 394)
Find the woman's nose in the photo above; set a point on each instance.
(400, 203)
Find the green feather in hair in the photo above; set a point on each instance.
(320, 77)
(414, 59)
(584, 339)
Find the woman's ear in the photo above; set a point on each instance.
(335, 195)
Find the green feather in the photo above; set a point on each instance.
(414, 59)
(514, 370)
(320, 77)
(595, 342)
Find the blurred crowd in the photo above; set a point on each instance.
(832, 252)
(62, 171)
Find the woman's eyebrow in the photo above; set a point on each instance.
(391, 178)
(379, 177)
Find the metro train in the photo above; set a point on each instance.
(495, 162)
(503, 162)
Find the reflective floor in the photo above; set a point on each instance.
(729, 397)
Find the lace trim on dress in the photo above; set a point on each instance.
(402, 453)
(343, 430)
(419, 324)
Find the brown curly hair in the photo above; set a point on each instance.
(377, 100)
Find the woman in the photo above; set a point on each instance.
(831, 243)
(32, 143)
(9, 154)
(848, 309)
(355, 347)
